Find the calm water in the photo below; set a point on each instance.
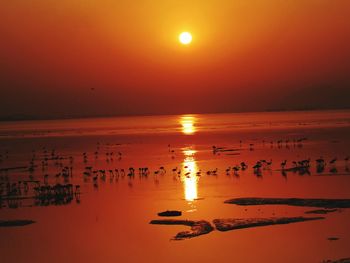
(109, 221)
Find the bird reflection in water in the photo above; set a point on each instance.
(190, 177)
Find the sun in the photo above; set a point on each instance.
(185, 38)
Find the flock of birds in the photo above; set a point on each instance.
(58, 188)
(279, 144)
(41, 191)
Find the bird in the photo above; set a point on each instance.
(257, 166)
(333, 161)
(162, 170)
(236, 169)
(244, 166)
(77, 188)
(320, 161)
(283, 164)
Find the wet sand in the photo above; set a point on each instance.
(108, 220)
(198, 228)
(315, 202)
(240, 223)
(202, 227)
(14, 223)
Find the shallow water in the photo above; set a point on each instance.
(109, 220)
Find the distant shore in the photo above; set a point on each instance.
(20, 117)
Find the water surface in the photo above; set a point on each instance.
(109, 221)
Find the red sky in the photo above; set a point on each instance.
(105, 57)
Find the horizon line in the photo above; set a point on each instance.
(22, 117)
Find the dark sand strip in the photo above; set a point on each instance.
(333, 238)
(324, 203)
(322, 211)
(12, 223)
(197, 227)
(14, 168)
(239, 223)
(170, 213)
(343, 260)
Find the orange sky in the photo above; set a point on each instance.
(90, 57)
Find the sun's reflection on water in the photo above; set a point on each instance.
(188, 124)
(189, 176)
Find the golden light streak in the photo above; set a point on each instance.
(189, 176)
(188, 124)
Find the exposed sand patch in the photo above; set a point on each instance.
(170, 213)
(239, 223)
(325, 203)
(322, 211)
(342, 260)
(204, 227)
(198, 228)
(12, 223)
